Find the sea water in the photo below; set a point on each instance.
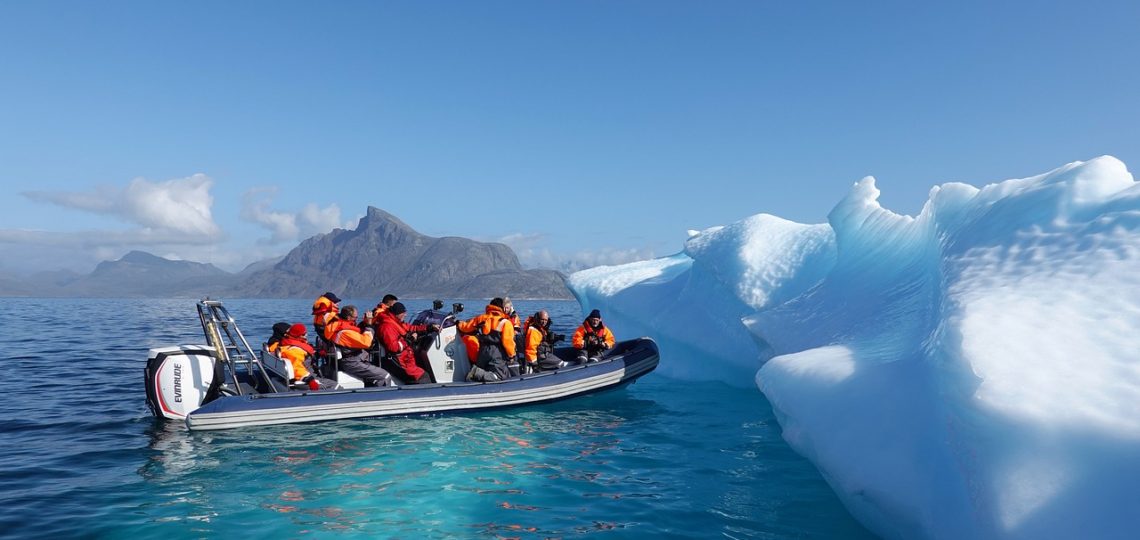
(81, 456)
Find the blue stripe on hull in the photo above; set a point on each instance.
(636, 359)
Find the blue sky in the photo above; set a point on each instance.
(583, 131)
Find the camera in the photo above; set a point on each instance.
(553, 337)
(457, 307)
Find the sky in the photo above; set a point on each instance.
(579, 133)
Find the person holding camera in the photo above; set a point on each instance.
(354, 344)
(539, 342)
(592, 339)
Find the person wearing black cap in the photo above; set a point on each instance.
(399, 359)
(324, 309)
(592, 339)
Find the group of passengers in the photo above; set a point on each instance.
(492, 341)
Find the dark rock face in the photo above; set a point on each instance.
(384, 254)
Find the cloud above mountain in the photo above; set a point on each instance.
(289, 226)
(176, 210)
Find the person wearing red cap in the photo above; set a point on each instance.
(294, 348)
(592, 339)
(399, 358)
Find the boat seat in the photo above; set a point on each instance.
(277, 365)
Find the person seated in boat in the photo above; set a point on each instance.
(400, 358)
(490, 342)
(538, 351)
(592, 339)
(294, 348)
(384, 305)
(279, 331)
(324, 308)
(354, 345)
(509, 310)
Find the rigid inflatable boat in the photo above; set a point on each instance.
(225, 384)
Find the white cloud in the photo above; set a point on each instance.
(174, 207)
(284, 226)
(532, 254)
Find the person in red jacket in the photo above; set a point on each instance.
(592, 339)
(384, 305)
(399, 357)
(354, 344)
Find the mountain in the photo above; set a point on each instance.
(258, 266)
(140, 274)
(384, 254)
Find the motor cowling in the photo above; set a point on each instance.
(181, 379)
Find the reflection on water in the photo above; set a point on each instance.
(81, 455)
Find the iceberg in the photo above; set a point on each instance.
(969, 372)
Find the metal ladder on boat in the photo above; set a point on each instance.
(232, 350)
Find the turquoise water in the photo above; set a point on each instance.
(82, 457)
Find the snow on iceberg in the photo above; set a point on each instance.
(972, 372)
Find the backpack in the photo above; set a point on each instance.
(491, 356)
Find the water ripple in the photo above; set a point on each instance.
(81, 457)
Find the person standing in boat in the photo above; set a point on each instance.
(490, 342)
(294, 348)
(354, 344)
(324, 309)
(538, 351)
(399, 357)
(592, 339)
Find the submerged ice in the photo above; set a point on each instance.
(973, 371)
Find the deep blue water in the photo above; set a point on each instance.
(81, 456)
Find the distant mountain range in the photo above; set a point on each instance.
(382, 255)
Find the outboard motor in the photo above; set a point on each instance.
(181, 379)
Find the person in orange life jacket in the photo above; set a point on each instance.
(354, 344)
(324, 309)
(467, 328)
(509, 310)
(539, 342)
(513, 316)
(400, 359)
(592, 339)
(384, 305)
(493, 328)
(294, 348)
